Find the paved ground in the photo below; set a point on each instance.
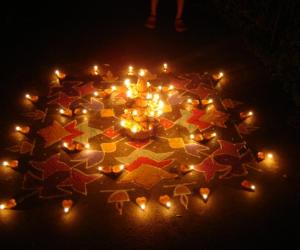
(82, 35)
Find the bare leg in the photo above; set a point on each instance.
(154, 4)
(180, 5)
(151, 21)
(179, 24)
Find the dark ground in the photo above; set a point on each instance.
(72, 37)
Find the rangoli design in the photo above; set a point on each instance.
(148, 131)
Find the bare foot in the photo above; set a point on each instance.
(179, 25)
(151, 22)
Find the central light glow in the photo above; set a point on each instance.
(127, 82)
(134, 129)
(2, 206)
(129, 93)
(135, 112)
(142, 73)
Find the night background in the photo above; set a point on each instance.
(256, 45)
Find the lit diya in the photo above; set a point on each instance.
(33, 98)
(10, 163)
(11, 203)
(22, 129)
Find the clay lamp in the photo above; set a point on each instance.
(11, 203)
(22, 129)
(248, 185)
(59, 74)
(185, 168)
(105, 169)
(209, 135)
(197, 137)
(141, 202)
(165, 67)
(80, 111)
(165, 200)
(33, 98)
(69, 146)
(218, 76)
(117, 169)
(245, 115)
(206, 102)
(261, 156)
(130, 70)
(65, 112)
(11, 163)
(204, 192)
(67, 205)
(95, 70)
(193, 102)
